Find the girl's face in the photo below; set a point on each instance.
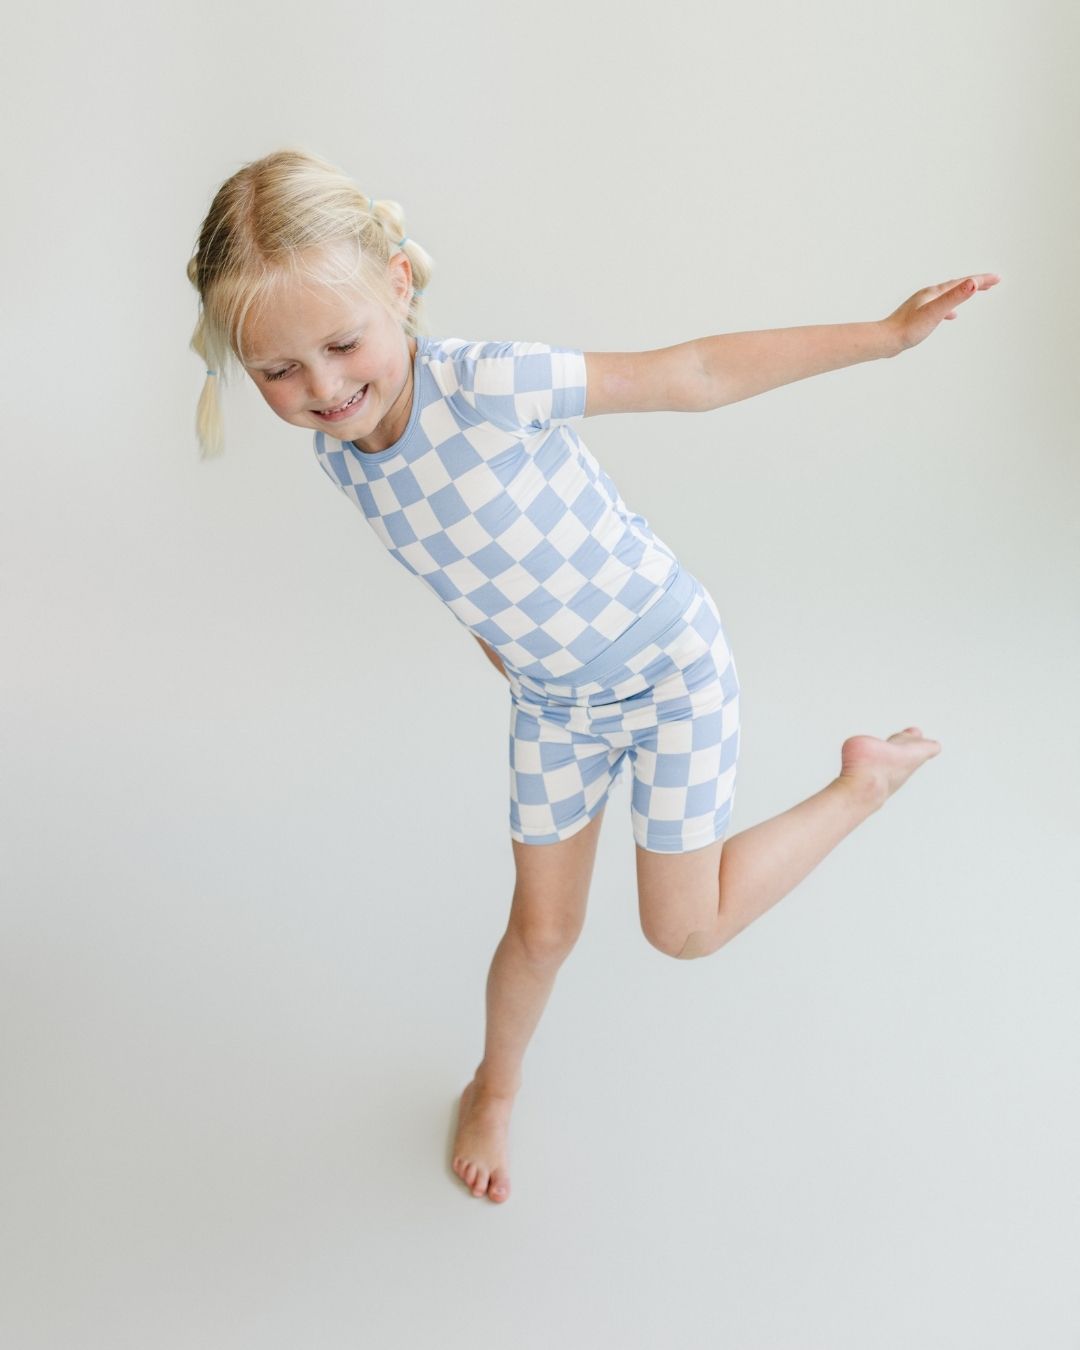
(316, 349)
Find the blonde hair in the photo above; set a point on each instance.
(285, 216)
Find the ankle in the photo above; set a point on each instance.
(495, 1084)
(866, 789)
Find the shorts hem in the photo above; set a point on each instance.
(684, 846)
(570, 831)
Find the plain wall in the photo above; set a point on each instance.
(255, 855)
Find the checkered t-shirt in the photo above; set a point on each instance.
(497, 504)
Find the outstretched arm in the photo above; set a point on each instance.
(710, 372)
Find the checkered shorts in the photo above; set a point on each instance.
(666, 694)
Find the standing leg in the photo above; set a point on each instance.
(546, 918)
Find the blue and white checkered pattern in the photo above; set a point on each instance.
(506, 516)
(672, 708)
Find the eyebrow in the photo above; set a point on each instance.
(258, 362)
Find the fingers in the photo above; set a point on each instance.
(947, 295)
(964, 289)
(963, 286)
(976, 281)
(952, 292)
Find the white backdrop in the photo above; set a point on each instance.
(255, 847)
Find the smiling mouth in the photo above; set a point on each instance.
(329, 412)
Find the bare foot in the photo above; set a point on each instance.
(883, 766)
(480, 1145)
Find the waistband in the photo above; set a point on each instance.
(660, 615)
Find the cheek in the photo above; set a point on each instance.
(279, 400)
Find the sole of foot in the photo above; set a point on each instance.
(882, 766)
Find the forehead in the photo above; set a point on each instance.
(298, 316)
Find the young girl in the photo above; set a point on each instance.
(459, 454)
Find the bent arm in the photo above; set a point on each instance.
(493, 657)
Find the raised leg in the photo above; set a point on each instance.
(686, 916)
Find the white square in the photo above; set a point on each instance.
(516, 583)
(614, 619)
(520, 538)
(516, 624)
(562, 783)
(704, 764)
(468, 536)
(526, 486)
(430, 473)
(678, 737)
(489, 440)
(527, 756)
(478, 486)
(465, 575)
(437, 422)
(422, 519)
(417, 557)
(564, 628)
(667, 803)
(384, 496)
(494, 375)
(568, 369)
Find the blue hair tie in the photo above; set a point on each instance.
(419, 290)
(402, 240)
(211, 372)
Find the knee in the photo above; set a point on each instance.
(544, 943)
(699, 944)
(696, 944)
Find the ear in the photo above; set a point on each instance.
(401, 277)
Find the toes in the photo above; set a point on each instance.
(496, 1184)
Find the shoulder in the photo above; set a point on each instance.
(518, 384)
(497, 359)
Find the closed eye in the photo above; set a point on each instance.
(339, 347)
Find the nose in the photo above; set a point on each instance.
(324, 386)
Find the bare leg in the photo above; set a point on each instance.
(761, 865)
(546, 918)
(519, 985)
(518, 988)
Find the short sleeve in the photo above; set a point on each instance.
(521, 386)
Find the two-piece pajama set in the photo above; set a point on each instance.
(611, 648)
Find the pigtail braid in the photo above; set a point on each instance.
(209, 427)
